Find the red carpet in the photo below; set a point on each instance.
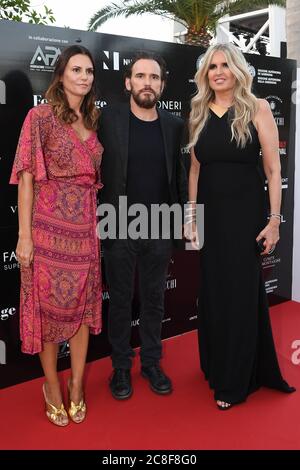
(187, 419)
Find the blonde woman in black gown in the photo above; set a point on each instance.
(228, 127)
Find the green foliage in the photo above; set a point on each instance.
(20, 10)
(196, 15)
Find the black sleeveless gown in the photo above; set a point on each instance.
(237, 352)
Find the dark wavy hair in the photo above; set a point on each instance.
(57, 98)
(148, 55)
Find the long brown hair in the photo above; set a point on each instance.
(57, 98)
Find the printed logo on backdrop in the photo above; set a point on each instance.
(171, 281)
(7, 313)
(269, 77)
(2, 92)
(276, 107)
(44, 61)
(171, 284)
(113, 61)
(282, 148)
(271, 285)
(175, 107)
(197, 65)
(251, 69)
(199, 61)
(296, 354)
(10, 213)
(284, 185)
(270, 262)
(39, 99)
(48, 39)
(135, 322)
(184, 150)
(100, 104)
(9, 261)
(2, 352)
(105, 292)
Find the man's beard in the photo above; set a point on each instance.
(148, 101)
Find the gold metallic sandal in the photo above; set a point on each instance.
(54, 414)
(75, 409)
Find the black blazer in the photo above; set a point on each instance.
(113, 133)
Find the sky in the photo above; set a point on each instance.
(77, 14)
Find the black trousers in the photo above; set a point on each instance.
(152, 258)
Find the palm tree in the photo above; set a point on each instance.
(293, 30)
(200, 17)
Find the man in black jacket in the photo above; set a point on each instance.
(142, 161)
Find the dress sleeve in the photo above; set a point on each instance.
(29, 154)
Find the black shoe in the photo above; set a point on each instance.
(120, 384)
(159, 382)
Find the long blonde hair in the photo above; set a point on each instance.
(245, 104)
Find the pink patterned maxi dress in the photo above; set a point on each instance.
(62, 288)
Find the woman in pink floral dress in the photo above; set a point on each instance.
(57, 169)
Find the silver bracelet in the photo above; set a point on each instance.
(276, 216)
(189, 221)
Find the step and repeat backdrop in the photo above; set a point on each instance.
(27, 57)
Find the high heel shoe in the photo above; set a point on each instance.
(57, 416)
(77, 413)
